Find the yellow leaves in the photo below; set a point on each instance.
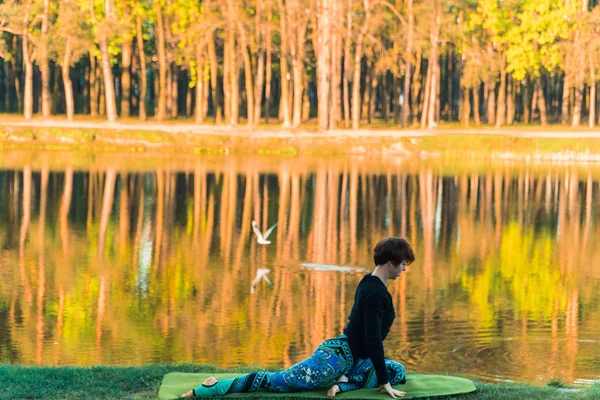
(194, 69)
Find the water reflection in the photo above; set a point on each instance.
(133, 260)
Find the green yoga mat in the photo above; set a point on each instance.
(176, 383)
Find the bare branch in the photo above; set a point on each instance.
(10, 30)
(392, 9)
(39, 17)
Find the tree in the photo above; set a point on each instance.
(158, 8)
(71, 40)
(104, 28)
(16, 18)
(533, 41)
(43, 58)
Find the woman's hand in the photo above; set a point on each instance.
(391, 391)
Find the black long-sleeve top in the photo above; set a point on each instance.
(369, 323)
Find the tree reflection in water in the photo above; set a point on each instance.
(133, 264)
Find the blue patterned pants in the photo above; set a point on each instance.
(330, 360)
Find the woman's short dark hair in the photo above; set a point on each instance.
(393, 249)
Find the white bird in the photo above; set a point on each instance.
(262, 239)
(261, 273)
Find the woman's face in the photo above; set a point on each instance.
(396, 270)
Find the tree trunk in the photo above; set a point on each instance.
(296, 40)
(10, 78)
(438, 79)
(366, 98)
(66, 67)
(526, 103)
(109, 89)
(17, 80)
(269, 72)
(416, 88)
(205, 94)
(175, 92)
(234, 81)
(396, 98)
(189, 93)
(500, 116)
(43, 62)
(384, 97)
(592, 114)
(155, 81)
(298, 71)
(101, 98)
(28, 66)
(247, 74)
(199, 85)
(448, 111)
(226, 79)
(260, 67)
(162, 64)
(510, 101)
(541, 101)
(336, 62)
(427, 93)
(324, 62)
(28, 92)
(59, 99)
(358, 53)
(258, 87)
(214, 81)
(465, 110)
(491, 102)
(347, 45)
(306, 100)
(134, 74)
(373, 95)
(86, 90)
(126, 75)
(434, 81)
(476, 105)
(94, 87)
(170, 81)
(578, 103)
(232, 96)
(143, 76)
(283, 62)
(407, 67)
(565, 99)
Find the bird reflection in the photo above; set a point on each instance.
(262, 239)
(261, 273)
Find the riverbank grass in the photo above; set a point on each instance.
(420, 144)
(101, 382)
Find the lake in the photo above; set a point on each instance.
(125, 259)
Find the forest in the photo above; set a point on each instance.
(330, 63)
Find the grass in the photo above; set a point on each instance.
(557, 383)
(448, 143)
(102, 382)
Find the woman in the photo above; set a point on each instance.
(351, 361)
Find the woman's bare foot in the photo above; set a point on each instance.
(335, 389)
(209, 382)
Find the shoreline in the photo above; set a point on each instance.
(276, 131)
(503, 144)
(143, 382)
